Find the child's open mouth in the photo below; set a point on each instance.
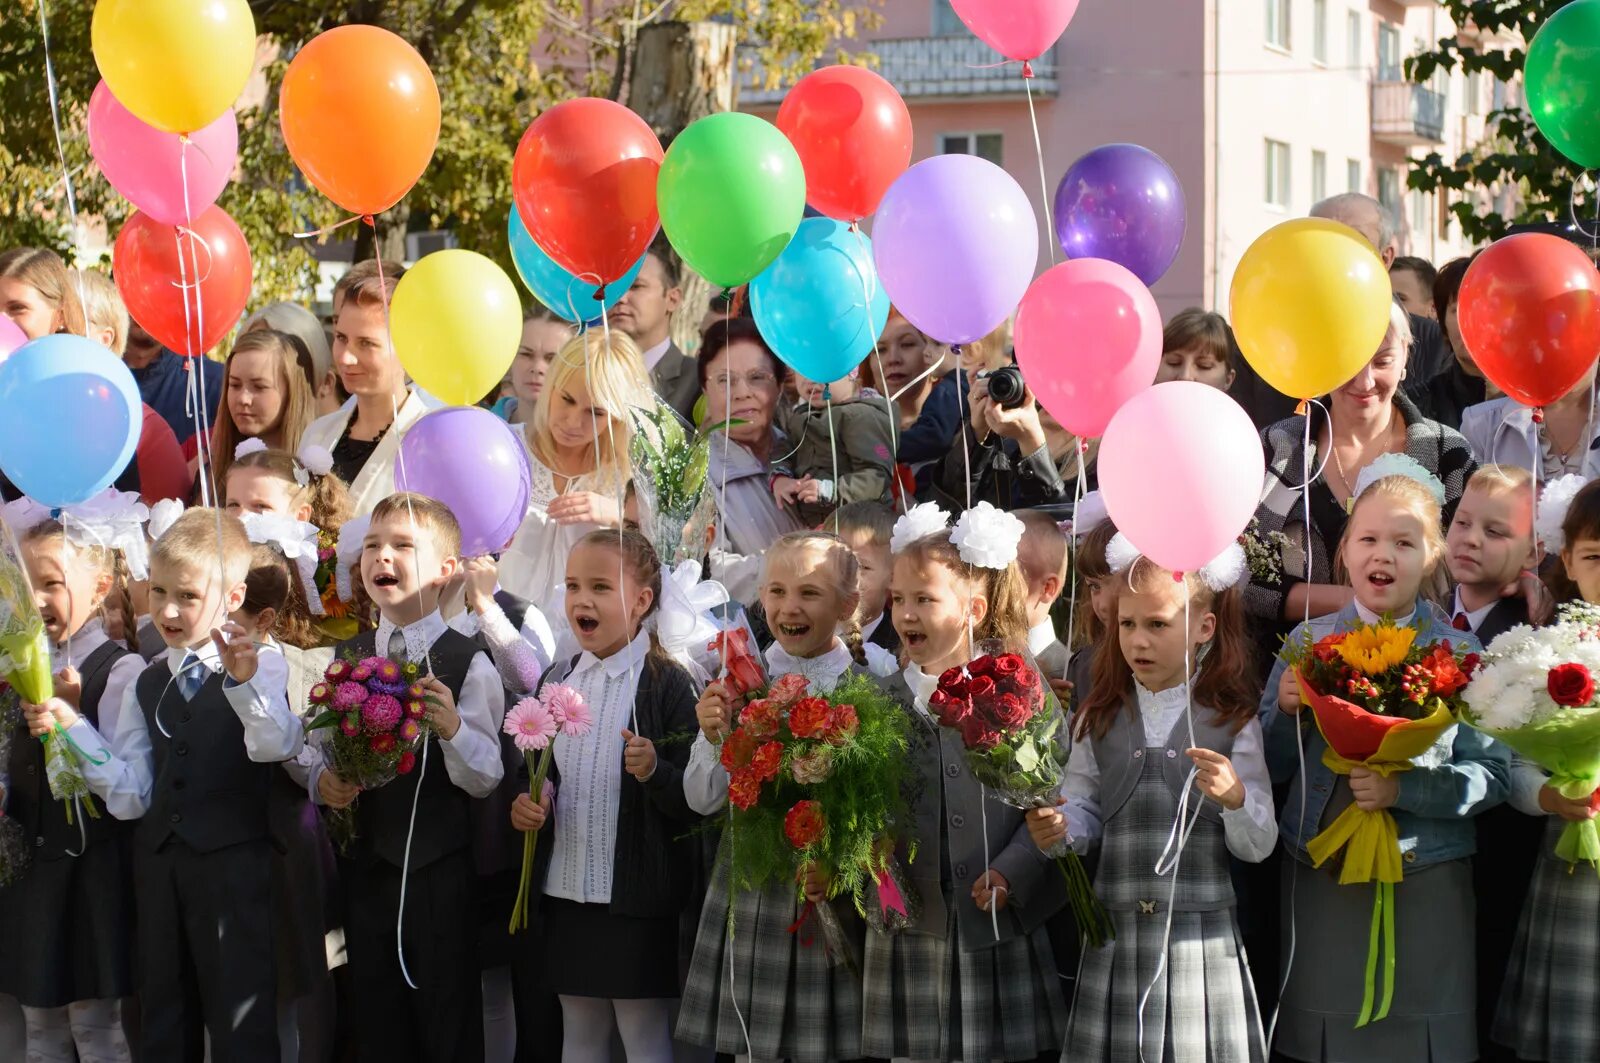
(1380, 579)
(913, 638)
(794, 631)
(587, 624)
(385, 579)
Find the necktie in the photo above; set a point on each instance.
(397, 647)
(191, 677)
(1460, 623)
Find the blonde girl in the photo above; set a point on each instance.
(577, 444)
(1392, 546)
(267, 396)
(37, 292)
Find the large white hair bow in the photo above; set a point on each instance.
(112, 520)
(683, 620)
(297, 541)
(348, 553)
(987, 537)
(922, 519)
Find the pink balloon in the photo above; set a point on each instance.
(147, 165)
(1017, 29)
(1180, 470)
(1088, 338)
(11, 336)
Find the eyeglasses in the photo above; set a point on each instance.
(756, 379)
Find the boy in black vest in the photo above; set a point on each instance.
(190, 754)
(420, 821)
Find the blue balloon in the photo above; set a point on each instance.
(570, 296)
(820, 305)
(72, 419)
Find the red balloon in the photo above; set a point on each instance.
(853, 134)
(584, 178)
(187, 287)
(1529, 310)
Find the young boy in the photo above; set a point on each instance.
(852, 462)
(1042, 556)
(190, 754)
(408, 553)
(865, 528)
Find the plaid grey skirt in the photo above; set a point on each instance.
(1550, 1008)
(795, 1005)
(928, 998)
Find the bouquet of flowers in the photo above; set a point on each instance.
(1536, 693)
(16, 850)
(1379, 701)
(669, 464)
(532, 724)
(817, 780)
(378, 715)
(339, 619)
(1012, 731)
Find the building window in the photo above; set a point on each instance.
(1319, 176)
(1277, 186)
(1278, 24)
(1388, 53)
(1352, 175)
(1319, 31)
(1472, 92)
(1389, 190)
(1355, 55)
(1419, 211)
(983, 145)
(945, 21)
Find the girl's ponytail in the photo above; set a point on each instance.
(121, 598)
(855, 641)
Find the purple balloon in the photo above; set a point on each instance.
(1123, 203)
(473, 462)
(956, 243)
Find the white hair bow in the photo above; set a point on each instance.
(683, 620)
(163, 515)
(348, 553)
(297, 541)
(24, 514)
(248, 446)
(313, 461)
(987, 537)
(113, 520)
(1228, 569)
(923, 519)
(1554, 501)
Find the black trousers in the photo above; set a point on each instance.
(204, 929)
(442, 1018)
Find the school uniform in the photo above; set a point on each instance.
(794, 1003)
(1048, 651)
(66, 926)
(949, 986)
(190, 754)
(1124, 788)
(1432, 1013)
(411, 862)
(620, 852)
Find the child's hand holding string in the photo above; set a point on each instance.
(236, 648)
(638, 756)
(42, 719)
(442, 714)
(481, 577)
(585, 507)
(69, 686)
(712, 712)
(991, 891)
(1215, 777)
(1289, 693)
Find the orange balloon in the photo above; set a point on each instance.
(360, 115)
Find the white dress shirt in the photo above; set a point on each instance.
(1369, 617)
(1475, 617)
(1041, 636)
(124, 778)
(705, 781)
(653, 356)
(1251, 830)
(590, 767)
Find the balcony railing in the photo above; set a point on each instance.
(1406, 114)
(930, 68)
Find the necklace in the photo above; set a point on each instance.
(1344, 479)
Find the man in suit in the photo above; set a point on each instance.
(1430, 355)
(645, 313)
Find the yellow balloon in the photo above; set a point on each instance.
(456, 321)
(176, 64)
(1310, 304)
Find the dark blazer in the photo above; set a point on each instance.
(654, 865)
(677, 381)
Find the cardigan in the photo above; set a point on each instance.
(375, 482)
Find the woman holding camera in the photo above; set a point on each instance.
(1005, 454)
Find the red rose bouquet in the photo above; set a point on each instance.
(815, 781)
(378, 718)
(1014, 734)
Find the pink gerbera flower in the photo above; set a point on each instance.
(349, 695)
(568, 707)
(530, 725)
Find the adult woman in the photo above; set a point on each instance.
(267, 396)
(742, 380)
(543, 334)
(1460, 384)
(1198, 345)
(302, 324)
(1367, 416)
(577, 444)
(36, 292)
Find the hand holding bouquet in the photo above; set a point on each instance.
(533, 723)
(1013, 734)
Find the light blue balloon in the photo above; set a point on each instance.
(72, 419)
(819, 305)
(566, 294)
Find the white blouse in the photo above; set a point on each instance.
(1251, 830)
(591, 776)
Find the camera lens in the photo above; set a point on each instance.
(1005, 387)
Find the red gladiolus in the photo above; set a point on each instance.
(1327, 648)
(804, 824)
(1444, 674)
(1570, 685)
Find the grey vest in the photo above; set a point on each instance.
(1121, 751)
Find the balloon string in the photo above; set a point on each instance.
(326, 229)
(868, 284)
(61, 154)
(1572, 209)
(622, 498)
(1310, 477)
(1072, 565)
(1044, 184)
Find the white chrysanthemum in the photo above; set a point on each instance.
(923, 519)
(1510, 690)
(987, 537)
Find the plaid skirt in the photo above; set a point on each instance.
(1550, 1007)
(928, 998)
(795, 1005)
(1202, 1008)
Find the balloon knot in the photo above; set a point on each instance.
(1027, 69)
(1083, 446)
(1538, 415)
(955, 349)
(1301, 407)
(1177, 577)
(736, 304)
(600, 295)
(370, 221)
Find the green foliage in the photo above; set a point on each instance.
(1513, 156)
(480, 52)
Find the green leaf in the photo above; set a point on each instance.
(1027, 756)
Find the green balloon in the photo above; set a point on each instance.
(1562, 74)
(731, 194)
